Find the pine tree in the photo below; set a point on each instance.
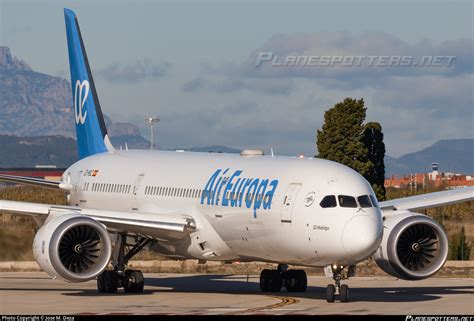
(373, 141)
(340, 139)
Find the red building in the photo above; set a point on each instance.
(44, 172)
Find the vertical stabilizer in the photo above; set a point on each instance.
(92, 137)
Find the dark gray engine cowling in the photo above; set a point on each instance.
(414, 246)
(73, 247)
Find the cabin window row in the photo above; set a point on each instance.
(197, 193)
(108, 188)
(173, 191)
(364, 201)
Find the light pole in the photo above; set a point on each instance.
(151, 121)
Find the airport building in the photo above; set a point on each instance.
(434, 178)
(48, 172)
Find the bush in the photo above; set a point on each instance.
(459, 247)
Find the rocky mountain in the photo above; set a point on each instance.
(7, 61)
(453, 155)
(62, 151)
(32, 103)
(36, 104)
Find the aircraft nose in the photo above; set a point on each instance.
(362, 236)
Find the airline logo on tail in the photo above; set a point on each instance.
(91, 131)
(80, 96)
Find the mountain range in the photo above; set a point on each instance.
(453, 155)
(36, 127)
(36, 104)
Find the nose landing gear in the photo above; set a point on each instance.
(342, 290)
(338, 289)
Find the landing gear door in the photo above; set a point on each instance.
(289, 202)
(135, 190)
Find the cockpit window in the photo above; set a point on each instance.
(347, 201)
(328, 201)
(374, 201)
(364, 201)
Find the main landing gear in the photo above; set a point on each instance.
(132, 281)
(341, 290)
(292, 280)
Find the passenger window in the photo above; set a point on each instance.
(328, 201)
(347, 201)
(364, 201)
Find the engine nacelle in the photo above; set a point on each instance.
(414, 246)
(73, 247)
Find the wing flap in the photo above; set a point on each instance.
(429, 200)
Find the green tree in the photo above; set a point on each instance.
(340, 138)
(460, 249)
(373, 141)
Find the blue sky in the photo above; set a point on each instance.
(193, 64)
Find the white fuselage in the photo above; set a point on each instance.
(280, 221)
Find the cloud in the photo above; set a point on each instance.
(194, 85)
(238, 105)
(14, 31)
(139, 71)
(367, 59)
(442, 96)
(230, 85)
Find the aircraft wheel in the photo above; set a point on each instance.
(270, 280)
(296, 281)
(265, 276)
(276, 281)
(344, 293)
(330, 293)
(107, 282)
(134, 281)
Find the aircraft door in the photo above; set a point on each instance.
(289, 202)
(77, 183)
(135, 189)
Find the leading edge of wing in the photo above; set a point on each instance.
(160, 225)
(430, 200)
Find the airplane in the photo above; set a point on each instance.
(211, 206)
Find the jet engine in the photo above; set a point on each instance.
(414, 246)
(73, 247)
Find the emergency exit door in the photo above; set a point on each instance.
(135, 191)
(289, 202)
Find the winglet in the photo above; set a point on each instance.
(92, 137)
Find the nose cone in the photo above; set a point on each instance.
(362, 236)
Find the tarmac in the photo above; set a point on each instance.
(35, 293)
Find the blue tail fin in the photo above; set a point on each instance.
(91, 132)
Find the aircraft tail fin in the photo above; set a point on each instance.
(92, 137)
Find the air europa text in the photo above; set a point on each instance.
(234, 190)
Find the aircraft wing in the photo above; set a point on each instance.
(429, 200)
(35, 182)
(165, 226)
